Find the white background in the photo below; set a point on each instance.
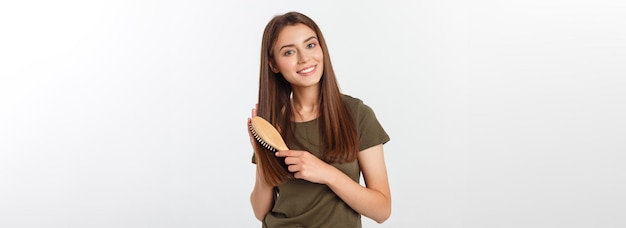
(133, 113)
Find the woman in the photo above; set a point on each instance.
(333, 137)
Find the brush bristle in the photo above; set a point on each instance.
(263, 143)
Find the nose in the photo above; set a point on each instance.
(303, 57)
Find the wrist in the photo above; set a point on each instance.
(334, 176)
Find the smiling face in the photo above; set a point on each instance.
(298, 56)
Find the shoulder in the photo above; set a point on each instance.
(355, 105)
(347, 99)
(368, 128)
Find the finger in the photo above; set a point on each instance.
(291, 160)
(248, 126)
(286, 153)
(293, 168)
(290, 153)
(254, 110)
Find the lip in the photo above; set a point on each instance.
(309, 70)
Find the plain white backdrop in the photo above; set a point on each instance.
(133, 113)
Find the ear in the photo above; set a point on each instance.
(273, 67)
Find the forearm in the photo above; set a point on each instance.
(262, 197)
(368, 202)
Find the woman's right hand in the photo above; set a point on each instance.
(253, 114)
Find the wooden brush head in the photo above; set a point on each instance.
(266, 134)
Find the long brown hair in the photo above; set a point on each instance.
(339, 140)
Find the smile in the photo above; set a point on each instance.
(307, 70)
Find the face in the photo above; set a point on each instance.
(298, 56)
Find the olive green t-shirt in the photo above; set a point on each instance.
(300, 203)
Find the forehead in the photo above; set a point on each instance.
(294, 34)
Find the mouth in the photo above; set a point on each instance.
(307, 71)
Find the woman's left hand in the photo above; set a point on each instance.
(307, 166)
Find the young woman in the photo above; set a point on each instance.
(334, 138)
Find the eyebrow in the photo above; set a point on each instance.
(291, 45)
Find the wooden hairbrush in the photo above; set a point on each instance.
(266, 134)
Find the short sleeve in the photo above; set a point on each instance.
(369, 129)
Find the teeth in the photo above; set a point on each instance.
(307, 70)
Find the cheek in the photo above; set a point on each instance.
(283, 64)
(319, 55)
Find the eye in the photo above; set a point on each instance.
(288, 52)
(311, 45)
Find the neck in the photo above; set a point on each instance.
(306, 104)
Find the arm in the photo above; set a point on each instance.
(262, 197)
(373, 201)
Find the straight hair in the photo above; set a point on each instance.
(338, 137)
